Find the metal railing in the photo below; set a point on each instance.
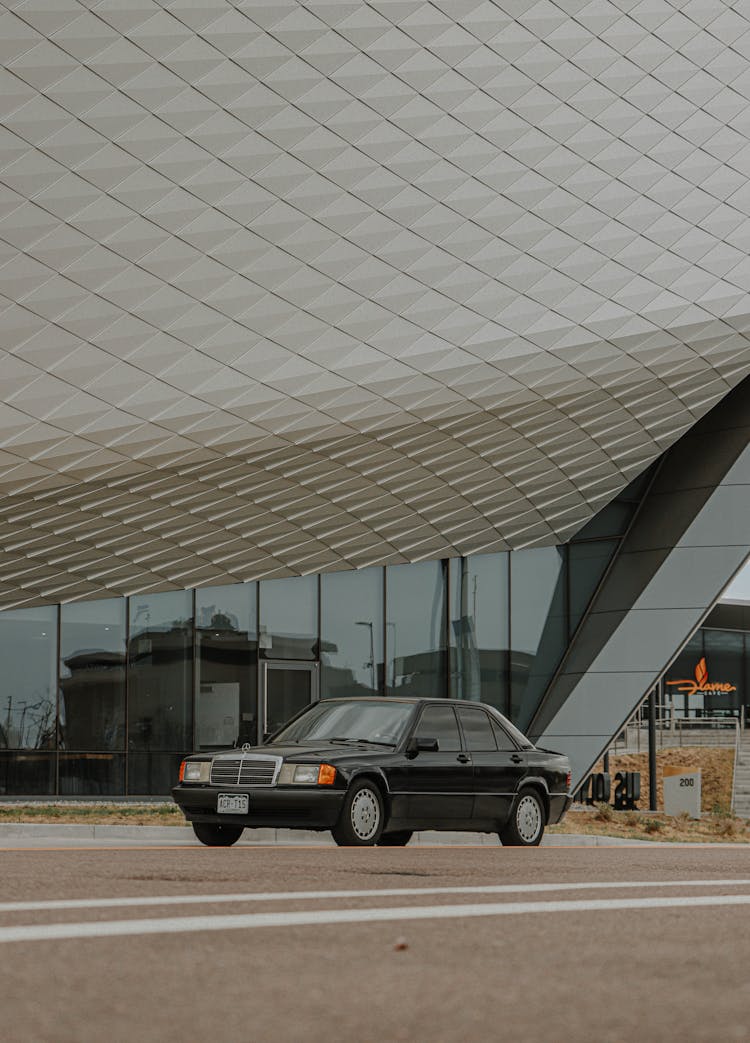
(678, 731)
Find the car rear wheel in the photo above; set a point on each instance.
(362, 816)
(215, 835)
(525, 827)
(396, 838)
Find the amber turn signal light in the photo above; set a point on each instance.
(326, 775)
(182, 771)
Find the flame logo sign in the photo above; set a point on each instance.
(702, 683)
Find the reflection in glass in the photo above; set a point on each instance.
(288, 690)
(30, 774)
(289, 618)
(92, 675)
(587, 563)
(226, 701)
(92, 774)
(351, 633)
(160, 659)
(479, 629)
(152, 772)
(28, 647)
(680, 703)
(415, 637)
(538, 625)
(724, 650)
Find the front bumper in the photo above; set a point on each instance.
(282, 807)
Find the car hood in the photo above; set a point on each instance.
(318, 751)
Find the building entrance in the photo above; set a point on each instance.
(286, 688)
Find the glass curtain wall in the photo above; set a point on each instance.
(160, 679)
(351, 633)
(289, 618)
(415, 629)
(28, 701)
(91, 702)
(479, 629)
(226, 683)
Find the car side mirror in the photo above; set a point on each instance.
(421, 744)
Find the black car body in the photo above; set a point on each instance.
(374, 770)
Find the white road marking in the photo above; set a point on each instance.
(386, 892)
(320, 917)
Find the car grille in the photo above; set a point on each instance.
(243, 771)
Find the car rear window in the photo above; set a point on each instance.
(478, 731)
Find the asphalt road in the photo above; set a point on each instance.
(308, 944)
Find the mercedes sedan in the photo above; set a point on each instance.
(372, 771)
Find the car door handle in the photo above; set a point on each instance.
(516, 758)
(462, 757)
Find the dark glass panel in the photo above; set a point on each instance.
(682, 670)
(289, 618)
(478, 732)
(538, 625)
(479, 629)
(153, 773)
(724, 650)
(92, 774)
(27, 774)
(614, 519)
(28, 703)
(587, 563)
(288, 690)
(160, 657)
(439, 722)
(226, 699)
(351, 633)
(415, 637)
(92, 675)
(503, 740)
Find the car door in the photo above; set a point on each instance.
(498, 764)
(439, 784)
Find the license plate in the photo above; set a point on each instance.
(232, 803)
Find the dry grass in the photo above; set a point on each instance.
(715, 826)
(94, 814)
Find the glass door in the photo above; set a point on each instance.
(287, 688)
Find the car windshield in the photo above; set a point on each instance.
(360, 720)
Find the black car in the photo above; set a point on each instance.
(374, 770)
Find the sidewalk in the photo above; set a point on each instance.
(180, 836)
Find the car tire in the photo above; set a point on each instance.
(362, 816)
(396, 838)
(525, 827)
(214, 835)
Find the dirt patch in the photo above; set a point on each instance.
(94, 814)
(604, 821)
(716, 766)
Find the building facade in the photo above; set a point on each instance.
(401, 343)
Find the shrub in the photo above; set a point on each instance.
(604, 813)
(653, 825)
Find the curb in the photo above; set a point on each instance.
(180, 835)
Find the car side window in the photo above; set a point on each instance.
(503, 740)
(477, 731)
(439, 722)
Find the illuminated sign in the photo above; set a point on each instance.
(702, 684)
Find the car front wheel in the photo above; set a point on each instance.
(362, 816)
(525, 827)
(215, 835)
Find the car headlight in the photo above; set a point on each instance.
(307, 775)
(196, 771)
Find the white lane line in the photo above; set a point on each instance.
(386, 892)
(320, 917)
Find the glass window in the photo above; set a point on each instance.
(479, 629)
(226, 693)
(92, 774)
(289, 618)
(477, 730)
(160, 658)
(351, 633)
(586, 563)
(439, 722)
(31, 773)
(349, 721)
(28, 681)
(415, 629)
(538, 625)
(724, 665)
(503, 740)
(92, 675)
(680, 703)
(152, 772)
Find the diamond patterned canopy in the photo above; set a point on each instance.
(295, 286)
